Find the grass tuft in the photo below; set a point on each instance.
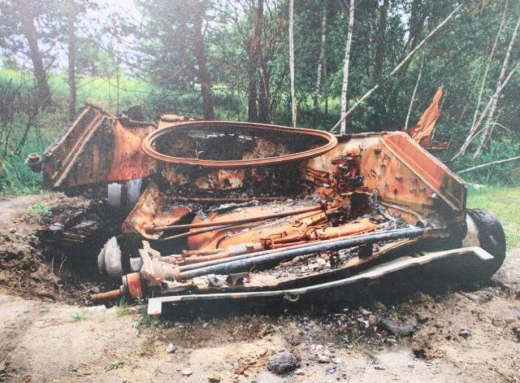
(350, 342)
(115, 365)
(39, 213)
(122, 308)
(76, 317)
(147, 320)
(503, 202)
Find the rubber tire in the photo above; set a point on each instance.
(492, 239)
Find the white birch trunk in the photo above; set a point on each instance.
(473, 127)
(346, 64)
(492, 109)
(396, 69)
(291, 60)
(413, 95)
(321, 58)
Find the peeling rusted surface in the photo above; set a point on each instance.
(395, 166)
(369, 183)
(307, 143)
(423, 131)
(97, 147)
(249, 208)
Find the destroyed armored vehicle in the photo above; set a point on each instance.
(223, 210)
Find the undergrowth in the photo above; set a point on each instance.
(503, 202)
(79, 316)
(39, 213)
(146, 319)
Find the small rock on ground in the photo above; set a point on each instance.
(402, 329)
(171, 348)
(283, 363)
(187, 372)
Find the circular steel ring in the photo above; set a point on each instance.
(233, 127)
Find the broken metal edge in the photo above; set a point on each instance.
(155, 304)
(149, 141)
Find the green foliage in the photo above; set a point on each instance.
(9, 62)
(503, 203)
(17, 179)
(505, 174)
(115, 365)
(350, 341)
(79, 316)
(40, 212)
(122, 308)
(146, 319)
(154, 62)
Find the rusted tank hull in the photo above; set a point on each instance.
(361, 202)
(242, 210)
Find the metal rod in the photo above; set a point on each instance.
(249, 260)
(228, 199)
(239, 221)
(109, 295)
(155, 304)
(190, 233)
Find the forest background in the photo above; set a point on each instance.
(229, 60)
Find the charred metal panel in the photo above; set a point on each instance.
(401, 171)
(97, 147)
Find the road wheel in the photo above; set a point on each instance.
(491, 237)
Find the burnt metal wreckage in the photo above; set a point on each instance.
(239, 210)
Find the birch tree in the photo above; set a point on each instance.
(473, 127)
(413, 95)
(380, 41)
(397, 68)
(346, 64)
(291, 61)
(488, 127)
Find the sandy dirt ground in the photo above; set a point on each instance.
(460, 336)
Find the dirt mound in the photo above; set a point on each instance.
(37, 261)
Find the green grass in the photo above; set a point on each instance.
(504, 203)
(79, 316)
(147, 320)
(122, 308)
(15, 177)
(110, 93)
(350, 341)
(115, 365)
(40, 212)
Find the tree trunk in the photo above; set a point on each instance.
(396, 69)
(473, 127)
(492, 109)
(489, 164)
(291, 61)
(29, 31)
(380, 43)
(200, 53)
(346, 65)
(413, 95)
(252, 67)
(321, 58)
(264, 99)
(72, 60)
